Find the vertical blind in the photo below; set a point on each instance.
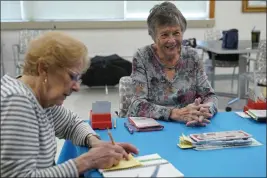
(93, 10)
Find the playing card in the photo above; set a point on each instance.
(101, 107)
(226, 135)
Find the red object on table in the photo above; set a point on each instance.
(260, 105)
(100, 121)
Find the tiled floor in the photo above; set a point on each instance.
(81, 101)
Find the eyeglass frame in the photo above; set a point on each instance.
(74, 76)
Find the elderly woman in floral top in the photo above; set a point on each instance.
(169, 80)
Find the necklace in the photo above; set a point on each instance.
(170, 67)
(164, 65)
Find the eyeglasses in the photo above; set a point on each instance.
(74, 76)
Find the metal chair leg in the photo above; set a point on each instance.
(202, 55)
(228, 107)
(232, 82)
(106, 89)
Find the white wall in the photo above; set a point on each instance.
(124, 42)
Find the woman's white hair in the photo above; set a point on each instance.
(165, 14)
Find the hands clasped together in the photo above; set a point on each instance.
(194, 114)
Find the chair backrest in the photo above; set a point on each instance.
(259, 72)
(2, 60)
(260, 63)
(25, 36)
(125, 95)
(19, 50)
(212, 34)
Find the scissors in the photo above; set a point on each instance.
(155, 173)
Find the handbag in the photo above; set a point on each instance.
(230, 39)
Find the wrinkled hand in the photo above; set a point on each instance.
(202, 119)
(100, 157)
(126, 147)
(190, 113)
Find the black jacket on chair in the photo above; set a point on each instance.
(106, 70)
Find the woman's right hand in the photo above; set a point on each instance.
(100, 158)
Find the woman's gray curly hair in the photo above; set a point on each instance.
(165, 14)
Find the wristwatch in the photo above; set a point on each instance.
(87, 139)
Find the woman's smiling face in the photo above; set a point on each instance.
(168, 40)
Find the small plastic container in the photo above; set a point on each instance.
(260, 105)
(100, 120)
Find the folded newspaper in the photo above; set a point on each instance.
(217, 140)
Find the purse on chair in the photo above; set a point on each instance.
(230, 39)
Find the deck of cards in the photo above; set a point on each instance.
(219, 136)
(100, 107)
(100, 115)
(217, 140)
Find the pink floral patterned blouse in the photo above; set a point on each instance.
(155, 95)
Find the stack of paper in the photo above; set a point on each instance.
(217, 140)
(258, 115)
(149, 163)
(186, 142)
(124, 164)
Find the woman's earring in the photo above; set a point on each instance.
(45, 80)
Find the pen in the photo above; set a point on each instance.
(111, 138)
(128, 128)
(155, 173)
(115, 120)
(253, 28)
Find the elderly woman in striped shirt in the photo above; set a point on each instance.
(32, 114)
(169, 79)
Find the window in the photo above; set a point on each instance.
(10, 10)
(94, 10)
(190, 9)
(74, 10)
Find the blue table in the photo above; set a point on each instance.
(231, 162)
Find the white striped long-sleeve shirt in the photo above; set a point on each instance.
(28, 133)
